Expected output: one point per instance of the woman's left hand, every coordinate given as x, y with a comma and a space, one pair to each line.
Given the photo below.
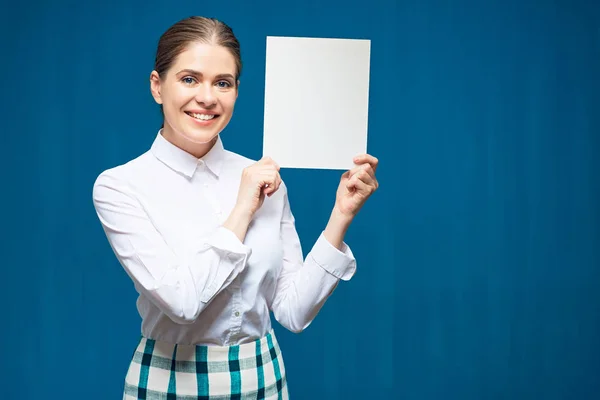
357, 185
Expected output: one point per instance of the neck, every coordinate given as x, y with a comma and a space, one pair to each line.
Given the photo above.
198, 150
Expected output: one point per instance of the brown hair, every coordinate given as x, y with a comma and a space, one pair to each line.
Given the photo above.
195, 29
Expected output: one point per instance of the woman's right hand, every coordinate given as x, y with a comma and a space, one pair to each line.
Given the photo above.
258, 180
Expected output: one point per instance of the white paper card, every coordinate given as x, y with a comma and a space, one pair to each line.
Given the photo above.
316, 101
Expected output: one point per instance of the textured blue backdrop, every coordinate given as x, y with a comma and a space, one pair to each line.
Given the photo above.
479, 257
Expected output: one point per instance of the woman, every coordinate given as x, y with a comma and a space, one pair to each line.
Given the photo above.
208, 238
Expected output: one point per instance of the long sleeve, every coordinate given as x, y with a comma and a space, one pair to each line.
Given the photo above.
179, 288
304, 285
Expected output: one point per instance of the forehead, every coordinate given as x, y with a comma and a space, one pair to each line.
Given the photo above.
207, 58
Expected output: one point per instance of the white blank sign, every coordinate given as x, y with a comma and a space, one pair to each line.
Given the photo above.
316, 101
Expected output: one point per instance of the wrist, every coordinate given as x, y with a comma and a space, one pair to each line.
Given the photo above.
341, 218
337, 227
238, 222
242, 214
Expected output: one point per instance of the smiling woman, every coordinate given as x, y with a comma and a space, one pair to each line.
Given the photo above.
208, 237
195, 81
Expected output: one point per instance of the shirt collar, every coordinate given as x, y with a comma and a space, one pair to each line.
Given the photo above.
182, 161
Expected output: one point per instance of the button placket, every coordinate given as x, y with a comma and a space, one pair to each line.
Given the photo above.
210, 196
236, 309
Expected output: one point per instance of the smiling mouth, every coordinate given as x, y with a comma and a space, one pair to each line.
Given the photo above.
202, 117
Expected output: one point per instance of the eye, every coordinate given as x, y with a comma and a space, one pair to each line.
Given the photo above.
188, 80
223, 84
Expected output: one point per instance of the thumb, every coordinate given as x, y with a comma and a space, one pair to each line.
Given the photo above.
351, 183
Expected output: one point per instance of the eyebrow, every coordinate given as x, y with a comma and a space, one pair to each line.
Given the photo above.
198, 73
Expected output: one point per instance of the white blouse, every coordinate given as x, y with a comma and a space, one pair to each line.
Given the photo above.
162, 213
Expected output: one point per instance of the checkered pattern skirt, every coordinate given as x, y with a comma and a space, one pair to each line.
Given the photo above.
169, 371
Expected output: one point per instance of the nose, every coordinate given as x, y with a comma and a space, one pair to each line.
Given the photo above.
206, 96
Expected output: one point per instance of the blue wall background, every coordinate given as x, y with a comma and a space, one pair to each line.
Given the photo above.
479, 257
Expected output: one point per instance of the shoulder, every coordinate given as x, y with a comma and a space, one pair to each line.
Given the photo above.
117, 179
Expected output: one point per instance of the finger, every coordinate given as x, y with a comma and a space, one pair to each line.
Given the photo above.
267, 169
366, 178
263, 178
363, 168
366, 158
352, 181
353, 171
276, 185
266, 160
267, 178
359, 186
270, 188
368, 168
363, 182
270, 182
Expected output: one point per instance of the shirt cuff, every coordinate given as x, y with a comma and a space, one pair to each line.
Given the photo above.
229, 244
229, 247
340, 264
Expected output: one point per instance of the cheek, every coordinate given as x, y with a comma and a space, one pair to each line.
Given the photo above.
228, 101
177, 97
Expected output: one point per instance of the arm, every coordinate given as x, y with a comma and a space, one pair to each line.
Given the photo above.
180, 289
303, 286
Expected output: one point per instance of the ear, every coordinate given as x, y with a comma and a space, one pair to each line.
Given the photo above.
237, 89
155, 86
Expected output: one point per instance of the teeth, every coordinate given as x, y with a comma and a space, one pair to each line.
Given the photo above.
203, 117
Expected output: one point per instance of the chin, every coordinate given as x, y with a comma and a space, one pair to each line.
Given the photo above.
200, 137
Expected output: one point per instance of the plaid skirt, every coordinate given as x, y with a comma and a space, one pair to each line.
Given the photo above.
168, 371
